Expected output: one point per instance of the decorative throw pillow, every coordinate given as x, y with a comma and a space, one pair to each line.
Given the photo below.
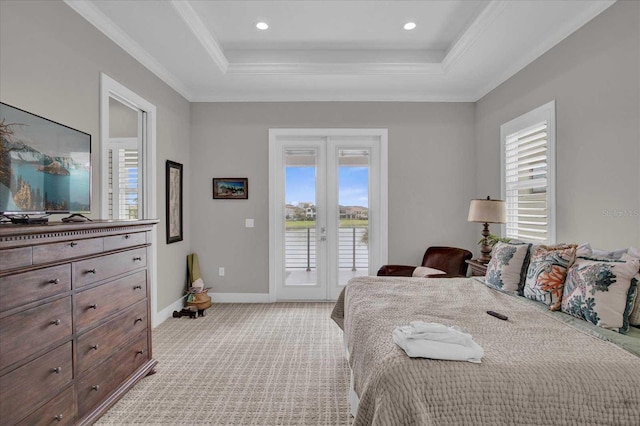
634, 317
507, 267
547, 273
423, 271
601, 291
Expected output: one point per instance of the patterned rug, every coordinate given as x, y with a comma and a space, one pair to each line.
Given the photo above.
243, 364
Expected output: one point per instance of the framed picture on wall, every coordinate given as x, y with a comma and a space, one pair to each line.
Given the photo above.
174, 202
231, 188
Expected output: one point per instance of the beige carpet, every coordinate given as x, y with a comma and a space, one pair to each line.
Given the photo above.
243, 364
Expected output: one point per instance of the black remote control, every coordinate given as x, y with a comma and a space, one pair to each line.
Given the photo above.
497, 315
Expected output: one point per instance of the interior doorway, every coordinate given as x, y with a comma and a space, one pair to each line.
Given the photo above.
128, 163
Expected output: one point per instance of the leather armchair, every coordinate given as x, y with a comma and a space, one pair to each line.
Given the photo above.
451, 260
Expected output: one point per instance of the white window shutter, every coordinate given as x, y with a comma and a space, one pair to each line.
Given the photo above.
528, 175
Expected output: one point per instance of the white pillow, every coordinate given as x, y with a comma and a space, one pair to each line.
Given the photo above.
423, 271
634, 252
584, 249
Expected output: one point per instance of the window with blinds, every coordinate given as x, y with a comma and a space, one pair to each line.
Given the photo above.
528, 175
124, 182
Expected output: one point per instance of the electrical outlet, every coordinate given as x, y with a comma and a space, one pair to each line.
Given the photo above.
248, 223
221, 271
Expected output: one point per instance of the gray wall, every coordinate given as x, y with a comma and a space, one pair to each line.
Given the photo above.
431, 173
594, 77
50, 64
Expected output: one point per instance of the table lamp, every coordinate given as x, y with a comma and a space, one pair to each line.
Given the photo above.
486, 212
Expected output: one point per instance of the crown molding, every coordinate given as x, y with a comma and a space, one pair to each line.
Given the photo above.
92, 14
335, 69
473, 32
202, 33
553, 39
330, 96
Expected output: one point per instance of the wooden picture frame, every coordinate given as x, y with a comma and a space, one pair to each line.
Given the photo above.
174, 201
231, 188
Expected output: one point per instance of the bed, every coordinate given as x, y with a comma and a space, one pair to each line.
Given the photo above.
539, 367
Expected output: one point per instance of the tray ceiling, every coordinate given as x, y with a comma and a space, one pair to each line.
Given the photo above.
336, 50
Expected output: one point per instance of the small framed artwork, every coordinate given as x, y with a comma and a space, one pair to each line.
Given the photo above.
174, 202
231, 188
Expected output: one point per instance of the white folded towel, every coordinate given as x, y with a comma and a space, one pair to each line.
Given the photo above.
437, 341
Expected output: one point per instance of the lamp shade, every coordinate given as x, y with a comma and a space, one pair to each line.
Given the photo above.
487, 211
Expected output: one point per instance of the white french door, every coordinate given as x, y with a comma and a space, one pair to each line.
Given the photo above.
328, 209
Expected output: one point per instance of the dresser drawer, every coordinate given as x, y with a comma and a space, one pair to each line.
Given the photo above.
34, 383
25, 333
61, 410
97, 269
126, 240
67, 250
99, 343
15, 258
98, 303
20, 289
104, 379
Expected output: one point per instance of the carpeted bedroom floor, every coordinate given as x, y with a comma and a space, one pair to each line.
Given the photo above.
243, 364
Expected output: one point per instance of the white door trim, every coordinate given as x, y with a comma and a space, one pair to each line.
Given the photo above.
380, 220
109, 88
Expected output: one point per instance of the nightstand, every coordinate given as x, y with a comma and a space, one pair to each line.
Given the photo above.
477, 269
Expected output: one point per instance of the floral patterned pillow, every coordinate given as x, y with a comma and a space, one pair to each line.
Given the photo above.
601, 291
634, 318
505, 270
547, 273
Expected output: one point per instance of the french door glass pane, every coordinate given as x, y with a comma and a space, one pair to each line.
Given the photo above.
300, 218
353, 210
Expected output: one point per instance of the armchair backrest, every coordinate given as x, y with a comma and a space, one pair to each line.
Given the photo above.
448, 259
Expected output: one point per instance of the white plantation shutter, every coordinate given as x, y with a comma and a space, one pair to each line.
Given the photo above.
125, 186
128, 183
528, 175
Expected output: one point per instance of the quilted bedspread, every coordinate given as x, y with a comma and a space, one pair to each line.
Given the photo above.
537, 369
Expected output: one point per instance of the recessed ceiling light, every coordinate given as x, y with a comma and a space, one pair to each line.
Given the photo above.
409, 25
262, 25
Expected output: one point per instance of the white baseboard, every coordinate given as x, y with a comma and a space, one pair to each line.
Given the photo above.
239, 297
167, 312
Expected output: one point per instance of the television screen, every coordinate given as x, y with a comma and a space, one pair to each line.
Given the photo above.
45, 167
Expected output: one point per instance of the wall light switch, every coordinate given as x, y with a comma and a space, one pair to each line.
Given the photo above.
248, 223
221, 271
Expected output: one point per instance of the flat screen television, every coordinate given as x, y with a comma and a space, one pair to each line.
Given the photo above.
45, 167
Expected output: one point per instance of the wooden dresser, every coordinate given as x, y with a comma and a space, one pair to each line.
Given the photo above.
75, 326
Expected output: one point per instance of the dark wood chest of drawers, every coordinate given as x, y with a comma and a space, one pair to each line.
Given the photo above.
75, 323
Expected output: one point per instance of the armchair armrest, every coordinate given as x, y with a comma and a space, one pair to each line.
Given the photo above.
396, 270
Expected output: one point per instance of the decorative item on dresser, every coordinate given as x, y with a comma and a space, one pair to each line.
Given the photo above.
75, 318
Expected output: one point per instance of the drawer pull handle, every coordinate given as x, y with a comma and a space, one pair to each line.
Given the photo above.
94, 347
56, 370
55, 322
94, 306
73, 244
126, 237
137, 320
137, 287
91, 271
54, 281
58, 418
139, 352
137, 259
95, 387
